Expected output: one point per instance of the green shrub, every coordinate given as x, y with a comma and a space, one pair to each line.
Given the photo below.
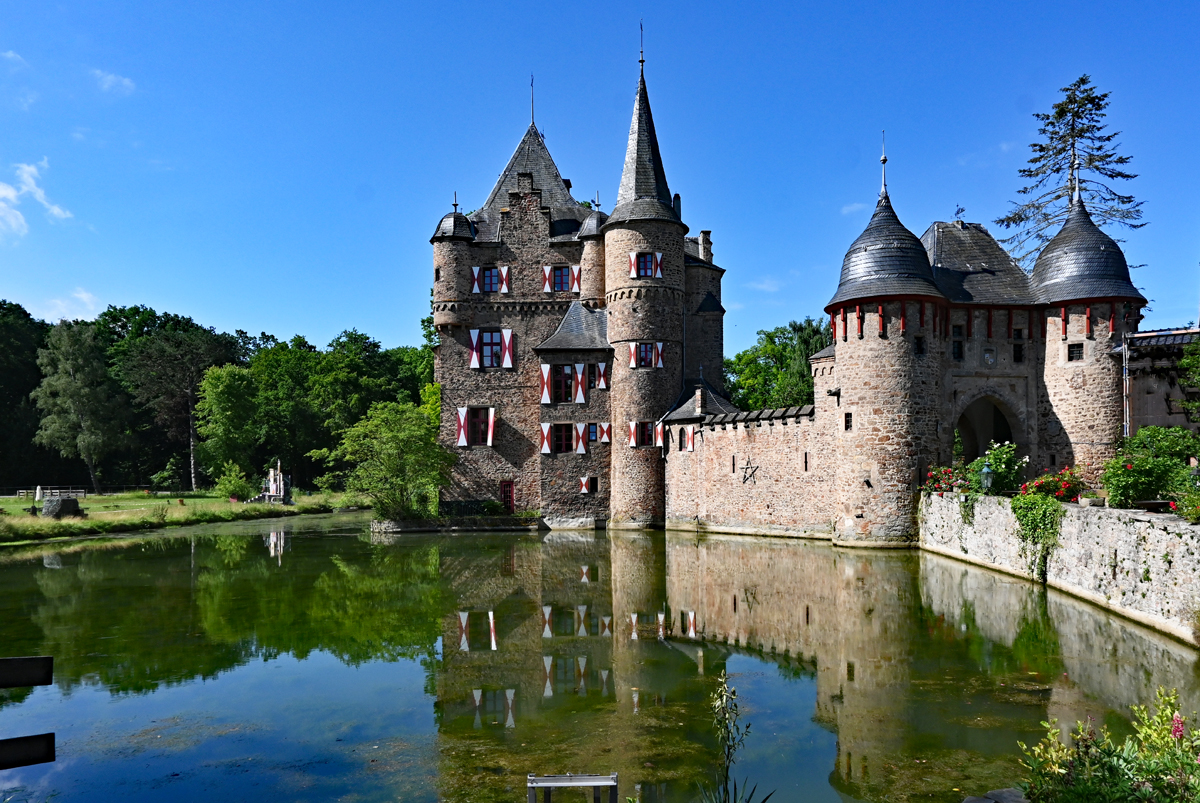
1040, 517
940, 479
1175, 442
1133, 478
1159, 762
1065, 486
1007, 468
233, 483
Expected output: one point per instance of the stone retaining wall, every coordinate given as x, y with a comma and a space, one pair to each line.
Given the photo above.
1145, 566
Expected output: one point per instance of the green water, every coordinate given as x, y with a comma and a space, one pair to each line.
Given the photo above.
300, 660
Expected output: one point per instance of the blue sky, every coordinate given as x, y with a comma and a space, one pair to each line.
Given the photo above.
281, 166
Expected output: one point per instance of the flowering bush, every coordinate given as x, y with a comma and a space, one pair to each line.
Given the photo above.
1007, 468
1159, 762
1065, 486
940, 479
1133, 478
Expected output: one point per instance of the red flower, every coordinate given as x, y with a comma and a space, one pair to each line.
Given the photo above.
1128, 466
1173, 507
1059, 493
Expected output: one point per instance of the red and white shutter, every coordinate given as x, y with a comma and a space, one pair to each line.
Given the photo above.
581, 433
545, 439
546, 633
633, 266
474, 280
633, 428
576, 278
491, 424
506, 348
605, 432
462, 426
548, 663
601, 376
658, 434
503, 279
544, 384
475, 361
633, 628
691, 622
605, 627
583, 489
633, 355
658, 266
580, 383
462, 631
546, 285
658, 354
691, 437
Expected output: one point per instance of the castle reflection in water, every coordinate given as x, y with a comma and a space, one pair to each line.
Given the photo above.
593, 653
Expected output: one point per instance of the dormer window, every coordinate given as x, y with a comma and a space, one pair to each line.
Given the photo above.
645, 266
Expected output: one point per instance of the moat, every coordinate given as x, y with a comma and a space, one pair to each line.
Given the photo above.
303, 660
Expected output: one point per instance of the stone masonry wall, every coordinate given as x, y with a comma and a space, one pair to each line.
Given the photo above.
1144, 566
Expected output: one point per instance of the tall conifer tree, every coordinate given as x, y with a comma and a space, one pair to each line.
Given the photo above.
1074, 143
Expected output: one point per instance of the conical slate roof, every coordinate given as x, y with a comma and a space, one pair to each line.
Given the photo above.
591, 227
886, 260
643, 194
454, 226
531, 156
1082, 262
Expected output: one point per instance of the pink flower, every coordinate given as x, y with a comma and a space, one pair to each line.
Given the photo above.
1177, 727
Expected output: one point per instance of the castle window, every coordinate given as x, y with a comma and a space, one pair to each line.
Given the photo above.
645, 355
591, 376
592, 430
562, 278
1074, 352
1018, 334
560, 438
957, 331
1018, 352
733, 464
477, 426
491, 350
956, 349
849, 421
593, 487
560, 383
645, 266
806, 461
489, 279
645, 433
682, 439
437, 274
918, 346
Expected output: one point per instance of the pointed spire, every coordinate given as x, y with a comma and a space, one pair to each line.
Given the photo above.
643, 192
532, 119
883, 162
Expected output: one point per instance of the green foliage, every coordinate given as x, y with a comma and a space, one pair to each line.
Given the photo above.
227, 417
1065, 486
170, 478
83, 412
731, 735
396, 460
233, 483
775, 371
966, 507
1159, 762
1179, 443
1073, 140
940, 479
1039, 517
1007, 468
1153, 464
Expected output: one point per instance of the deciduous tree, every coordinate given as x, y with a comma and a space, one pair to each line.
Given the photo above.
775, 371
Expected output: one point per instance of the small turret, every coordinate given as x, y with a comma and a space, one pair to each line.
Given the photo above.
1082, 262
451, 241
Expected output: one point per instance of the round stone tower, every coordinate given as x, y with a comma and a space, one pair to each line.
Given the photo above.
452, 269
889, 362
1082, 279
591, 263
643, 285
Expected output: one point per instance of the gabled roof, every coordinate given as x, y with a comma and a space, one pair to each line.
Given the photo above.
710, 304
826, 353
684, 408
643, 194
970, 267
886, 260
581, 329
531, 156
1082, 262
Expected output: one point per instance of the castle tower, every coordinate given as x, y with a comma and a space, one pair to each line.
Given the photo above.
643, 285
451, 269
592, 261
1082, 279
889, 359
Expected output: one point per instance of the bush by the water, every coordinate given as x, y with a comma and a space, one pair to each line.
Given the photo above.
1159, 762
1153, 464
233, 483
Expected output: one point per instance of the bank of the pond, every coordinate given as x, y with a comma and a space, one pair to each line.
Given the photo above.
16, 529
1144, 566
457, 524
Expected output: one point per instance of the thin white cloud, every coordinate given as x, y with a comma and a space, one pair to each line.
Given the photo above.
27, 180
25, 99
767, 285
852, 208
12, 222
113, 83
81, 305
13, 60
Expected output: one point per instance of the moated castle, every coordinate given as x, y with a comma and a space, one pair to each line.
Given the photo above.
581, 361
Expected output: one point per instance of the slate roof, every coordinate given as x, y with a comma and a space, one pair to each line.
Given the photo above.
581, 329
531, 156
1082, 262
643, 194
825, 353
454, 226
1162, 338
591, 226
886, 260
710, 304
970, 267
684, 408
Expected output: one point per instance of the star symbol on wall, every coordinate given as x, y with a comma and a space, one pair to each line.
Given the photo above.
748, 472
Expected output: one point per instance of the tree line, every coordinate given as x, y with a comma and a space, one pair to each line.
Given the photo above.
139, 397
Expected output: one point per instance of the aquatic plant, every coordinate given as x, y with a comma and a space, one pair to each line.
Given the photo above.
731, 734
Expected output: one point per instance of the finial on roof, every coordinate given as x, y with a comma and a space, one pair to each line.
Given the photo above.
1075, 195
958, 212
883, 162
456, 200
531, 117
597, 200
642, 44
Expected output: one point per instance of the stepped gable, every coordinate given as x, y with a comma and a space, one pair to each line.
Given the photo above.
1082, 262
531, 156
643, 194
886, 260
970, 267
580, 329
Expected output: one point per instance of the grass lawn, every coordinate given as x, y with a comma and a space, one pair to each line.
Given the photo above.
139, 511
